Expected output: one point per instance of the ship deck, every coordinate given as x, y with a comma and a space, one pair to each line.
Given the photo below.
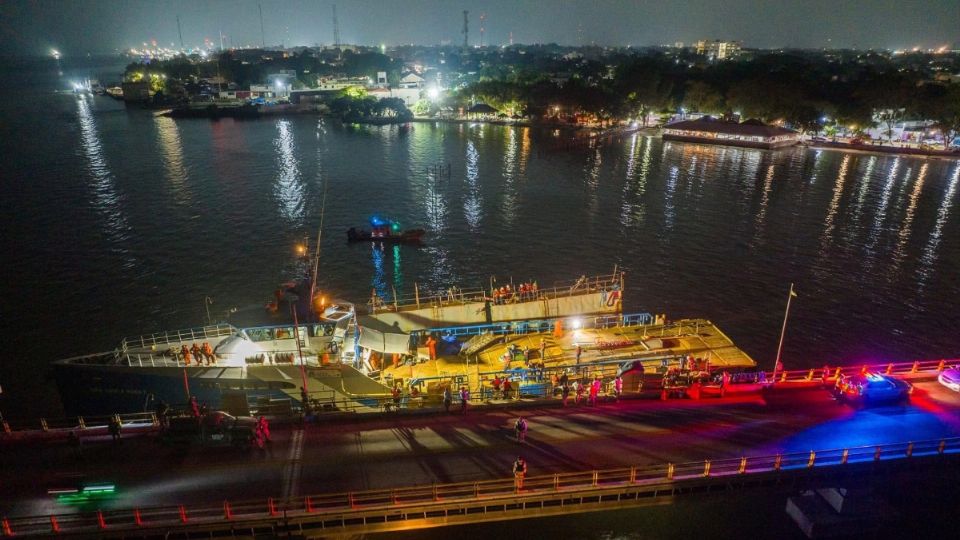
601, 348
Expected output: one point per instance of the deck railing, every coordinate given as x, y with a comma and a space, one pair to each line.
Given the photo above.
456, 296
179, 336
540, 326
338, 511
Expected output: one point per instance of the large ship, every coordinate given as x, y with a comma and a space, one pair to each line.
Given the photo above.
275, 367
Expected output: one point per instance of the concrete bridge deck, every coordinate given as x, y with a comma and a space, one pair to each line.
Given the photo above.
397, 451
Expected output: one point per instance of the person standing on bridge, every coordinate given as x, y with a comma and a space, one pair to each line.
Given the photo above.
520, 426
617, 387
595, 391
464, 399
447, 398
579, 352
263, 429
194, 407
519, 471
114, 428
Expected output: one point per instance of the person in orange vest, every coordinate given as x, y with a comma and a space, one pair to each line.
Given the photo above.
187, 356
184, 351
432, 347
396, 360
195, 351
208, 353
558, 329
519, 471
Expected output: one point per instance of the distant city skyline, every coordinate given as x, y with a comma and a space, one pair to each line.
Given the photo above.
90, 26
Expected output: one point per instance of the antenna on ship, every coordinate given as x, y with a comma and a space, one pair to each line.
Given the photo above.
316, 250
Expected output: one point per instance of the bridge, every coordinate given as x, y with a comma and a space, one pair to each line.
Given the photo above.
425, 468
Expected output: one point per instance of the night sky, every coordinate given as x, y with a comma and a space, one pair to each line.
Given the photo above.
100, 26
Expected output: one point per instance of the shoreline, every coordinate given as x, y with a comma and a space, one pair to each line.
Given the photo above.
281, 110
885, 150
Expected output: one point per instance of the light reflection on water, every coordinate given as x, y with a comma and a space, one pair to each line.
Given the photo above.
472, 205
171, 151
943, 212
106, 199
289, 187
703, 231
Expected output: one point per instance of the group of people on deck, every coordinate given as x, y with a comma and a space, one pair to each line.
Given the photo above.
201, 354
578, 387
508, 293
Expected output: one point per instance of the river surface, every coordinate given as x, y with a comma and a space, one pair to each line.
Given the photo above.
118, 222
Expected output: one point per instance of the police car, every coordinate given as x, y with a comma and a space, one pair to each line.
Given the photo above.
870, 388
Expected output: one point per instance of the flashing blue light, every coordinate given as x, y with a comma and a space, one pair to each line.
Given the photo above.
375, 221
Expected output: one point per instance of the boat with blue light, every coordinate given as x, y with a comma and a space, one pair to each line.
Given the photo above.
385, 230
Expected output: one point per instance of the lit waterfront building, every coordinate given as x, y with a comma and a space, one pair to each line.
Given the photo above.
750, 133
719, 50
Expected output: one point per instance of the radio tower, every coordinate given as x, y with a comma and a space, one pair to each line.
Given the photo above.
336, 31
263, 37
483, 18
179, 31
466, 29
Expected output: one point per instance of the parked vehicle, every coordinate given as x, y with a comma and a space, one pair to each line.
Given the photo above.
214, 429
870, 388
951, 378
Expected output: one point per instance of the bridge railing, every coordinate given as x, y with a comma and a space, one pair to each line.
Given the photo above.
829, 373
342, 507
77, 423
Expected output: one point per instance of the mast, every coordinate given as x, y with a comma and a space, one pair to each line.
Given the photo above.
316, 250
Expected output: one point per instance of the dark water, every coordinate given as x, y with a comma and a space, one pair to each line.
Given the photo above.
118, 222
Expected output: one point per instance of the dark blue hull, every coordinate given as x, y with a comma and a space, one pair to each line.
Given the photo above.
98, 390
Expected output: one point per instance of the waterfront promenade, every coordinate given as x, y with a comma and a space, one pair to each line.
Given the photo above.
398, 450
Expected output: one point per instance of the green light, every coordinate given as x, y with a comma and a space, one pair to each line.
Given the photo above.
395, 227
86, 494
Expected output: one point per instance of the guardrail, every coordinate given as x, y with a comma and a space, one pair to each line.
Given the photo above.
74, 423
828, 373
356, 509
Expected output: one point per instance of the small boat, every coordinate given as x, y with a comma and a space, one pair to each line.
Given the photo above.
384, 230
